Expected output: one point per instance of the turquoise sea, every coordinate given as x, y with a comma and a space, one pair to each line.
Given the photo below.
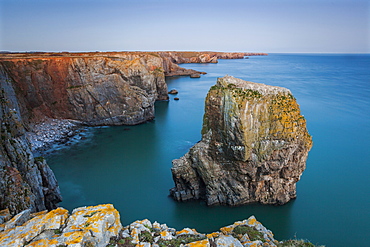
129, 166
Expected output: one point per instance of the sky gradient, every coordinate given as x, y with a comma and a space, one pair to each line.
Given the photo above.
326, 26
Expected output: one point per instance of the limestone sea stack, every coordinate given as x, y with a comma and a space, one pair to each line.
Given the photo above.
254, 147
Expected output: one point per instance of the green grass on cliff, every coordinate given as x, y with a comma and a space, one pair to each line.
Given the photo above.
253, 234
297, 243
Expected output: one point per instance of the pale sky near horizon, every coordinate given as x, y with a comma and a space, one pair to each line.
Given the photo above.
325, 26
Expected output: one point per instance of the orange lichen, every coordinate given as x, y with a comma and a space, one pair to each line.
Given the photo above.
43, 243
252, 221
227, 229
213, 235
200, 243
183, 231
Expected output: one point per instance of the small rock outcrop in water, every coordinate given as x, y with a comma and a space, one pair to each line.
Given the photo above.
173, 91
100, 226
254, 147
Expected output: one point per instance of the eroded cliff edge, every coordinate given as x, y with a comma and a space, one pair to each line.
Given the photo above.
254, 147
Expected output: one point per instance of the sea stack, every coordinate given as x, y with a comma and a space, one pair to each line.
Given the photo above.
254, 147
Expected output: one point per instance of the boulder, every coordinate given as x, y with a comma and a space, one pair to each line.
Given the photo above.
87, 226
254, 147
173, 91
195, 75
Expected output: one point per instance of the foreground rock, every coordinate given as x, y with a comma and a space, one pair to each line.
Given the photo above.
254, 147
87, 226
100, 226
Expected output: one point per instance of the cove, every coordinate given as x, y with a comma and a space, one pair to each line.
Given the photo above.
129, 166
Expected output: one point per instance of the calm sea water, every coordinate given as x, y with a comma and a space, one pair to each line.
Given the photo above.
130, 166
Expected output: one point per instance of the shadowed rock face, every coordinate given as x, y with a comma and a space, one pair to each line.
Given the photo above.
26, 182
254, 147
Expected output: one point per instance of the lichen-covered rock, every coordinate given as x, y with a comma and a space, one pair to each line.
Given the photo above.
225, 241
20, 235
248, 232
87, 226
94, 225
100, 226
254, 147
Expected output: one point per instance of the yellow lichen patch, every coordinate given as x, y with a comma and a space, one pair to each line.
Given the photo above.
200, 243
252, 221
142, 221
73, 237
213, 235
254, 245
227, 230
184, 231
38, 213
35, 226
43, 242
135, 235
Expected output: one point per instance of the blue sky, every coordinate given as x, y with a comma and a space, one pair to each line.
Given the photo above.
229, 25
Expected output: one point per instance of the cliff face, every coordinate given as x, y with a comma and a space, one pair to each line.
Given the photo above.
96, 90
26, 182
254, 147
172, 58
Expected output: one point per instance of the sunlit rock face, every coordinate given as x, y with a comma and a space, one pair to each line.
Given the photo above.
86, 226
96, 89
254, 147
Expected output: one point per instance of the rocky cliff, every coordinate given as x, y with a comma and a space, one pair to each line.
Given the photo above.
42, 92
95, 89
254, 147
172, 58
100, 226
26, 182
101, 88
